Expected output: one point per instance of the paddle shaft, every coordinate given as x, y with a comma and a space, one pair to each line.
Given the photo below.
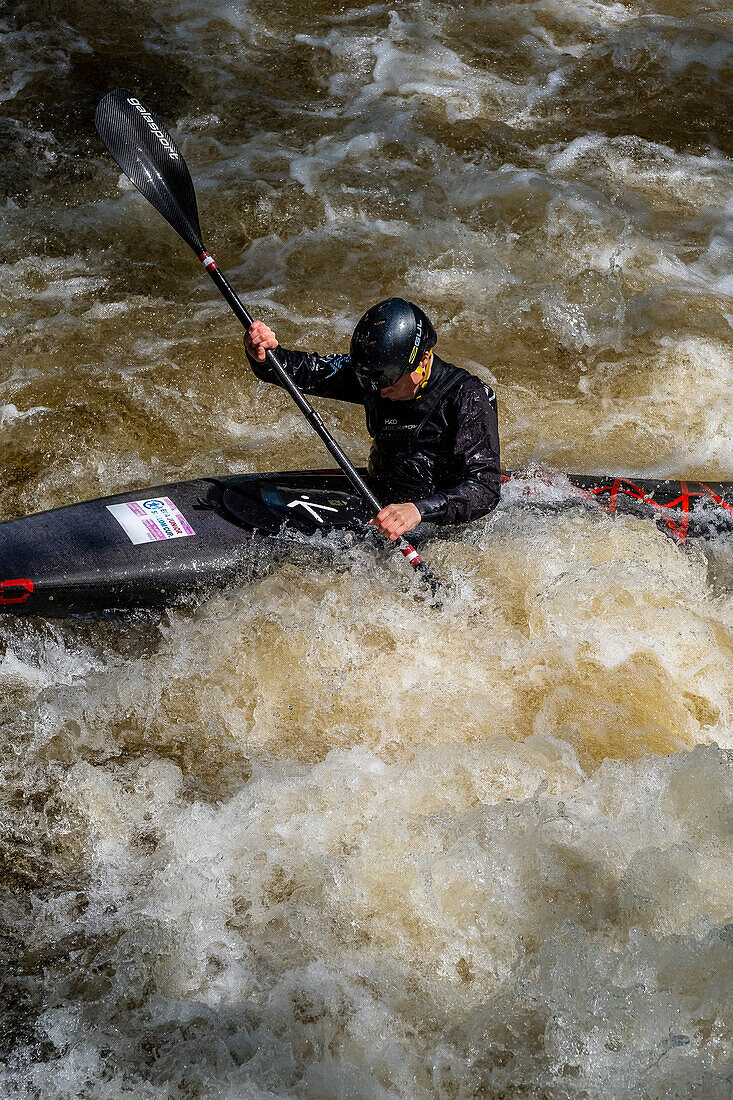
315, 421
147, 154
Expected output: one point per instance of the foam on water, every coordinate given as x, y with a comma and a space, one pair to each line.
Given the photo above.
317, 838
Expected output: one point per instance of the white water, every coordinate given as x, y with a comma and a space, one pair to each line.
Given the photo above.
316, 839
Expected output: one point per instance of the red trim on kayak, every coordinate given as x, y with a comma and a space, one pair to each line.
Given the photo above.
679, 504
689, 491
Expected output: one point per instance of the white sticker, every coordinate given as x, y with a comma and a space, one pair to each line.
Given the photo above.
151, 520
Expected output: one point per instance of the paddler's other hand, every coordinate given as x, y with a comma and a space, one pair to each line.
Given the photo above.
258, 339
396, 519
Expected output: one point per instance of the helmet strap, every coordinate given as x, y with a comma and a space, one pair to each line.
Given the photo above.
424, 372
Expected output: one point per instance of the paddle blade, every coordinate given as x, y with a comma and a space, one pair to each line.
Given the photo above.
150, 159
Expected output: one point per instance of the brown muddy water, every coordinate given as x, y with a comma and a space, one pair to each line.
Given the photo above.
314, 839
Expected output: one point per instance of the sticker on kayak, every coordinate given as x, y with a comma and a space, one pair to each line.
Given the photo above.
151, 520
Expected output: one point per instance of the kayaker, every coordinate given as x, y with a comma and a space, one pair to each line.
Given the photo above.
435, 450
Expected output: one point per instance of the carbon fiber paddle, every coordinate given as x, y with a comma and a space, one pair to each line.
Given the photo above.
151, 160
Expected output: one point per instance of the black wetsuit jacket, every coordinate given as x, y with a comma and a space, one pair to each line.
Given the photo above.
440, 451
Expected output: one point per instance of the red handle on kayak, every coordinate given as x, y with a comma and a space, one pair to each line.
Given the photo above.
26, 585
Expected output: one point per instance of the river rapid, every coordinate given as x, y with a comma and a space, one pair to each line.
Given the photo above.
316, 838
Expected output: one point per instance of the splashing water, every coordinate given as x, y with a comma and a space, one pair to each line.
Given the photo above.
314, 838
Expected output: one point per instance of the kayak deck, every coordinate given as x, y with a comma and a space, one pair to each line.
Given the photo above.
178, 542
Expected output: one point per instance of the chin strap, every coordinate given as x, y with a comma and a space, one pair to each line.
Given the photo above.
424, 372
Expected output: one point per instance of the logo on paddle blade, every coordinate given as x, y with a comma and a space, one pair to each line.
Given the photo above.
162, 137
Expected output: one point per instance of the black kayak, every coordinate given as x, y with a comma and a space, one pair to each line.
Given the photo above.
152, 547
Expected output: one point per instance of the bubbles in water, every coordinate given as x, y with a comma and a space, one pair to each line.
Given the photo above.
315, 838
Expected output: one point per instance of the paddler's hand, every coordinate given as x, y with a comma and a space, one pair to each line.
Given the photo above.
258, 339
396, 519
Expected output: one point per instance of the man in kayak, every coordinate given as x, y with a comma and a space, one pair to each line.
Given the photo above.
434, 426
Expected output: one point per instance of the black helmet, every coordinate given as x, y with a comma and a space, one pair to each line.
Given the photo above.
390, 340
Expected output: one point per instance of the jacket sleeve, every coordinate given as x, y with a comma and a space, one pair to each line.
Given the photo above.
318, 375
476, 453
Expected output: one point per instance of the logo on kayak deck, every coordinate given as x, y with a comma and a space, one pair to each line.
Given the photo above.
16, 591
310, 508
162, 137
151, 520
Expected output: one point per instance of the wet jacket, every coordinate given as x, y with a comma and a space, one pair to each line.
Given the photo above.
439, 451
